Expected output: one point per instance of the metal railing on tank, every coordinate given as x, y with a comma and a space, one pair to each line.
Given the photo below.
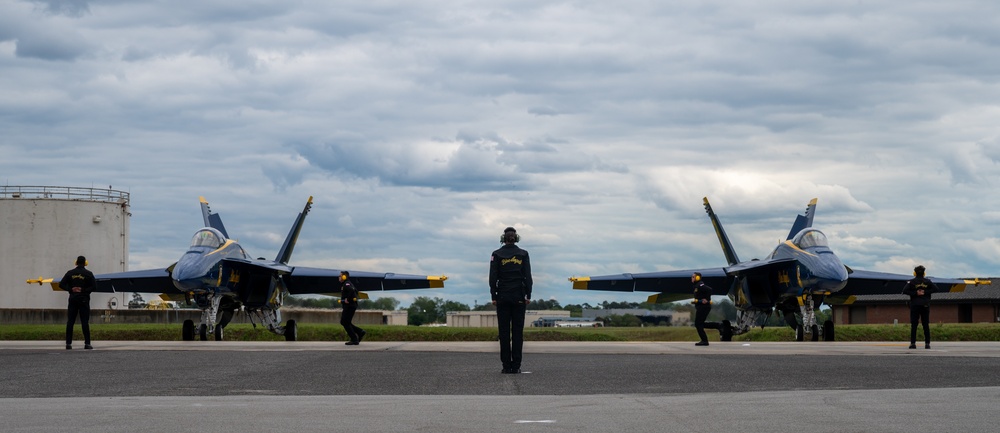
64, 193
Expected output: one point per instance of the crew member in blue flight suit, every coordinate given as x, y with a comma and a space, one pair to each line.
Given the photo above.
702, 306
79, 282
510, 289
349, 302
919, 289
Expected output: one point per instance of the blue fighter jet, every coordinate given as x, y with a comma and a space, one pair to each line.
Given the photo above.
221, 278
795, 279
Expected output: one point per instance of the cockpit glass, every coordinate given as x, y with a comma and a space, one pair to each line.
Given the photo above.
207, 238
810, 238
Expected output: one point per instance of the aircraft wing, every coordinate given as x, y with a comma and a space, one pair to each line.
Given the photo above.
305, 280
671, 285
145, 281
860, 282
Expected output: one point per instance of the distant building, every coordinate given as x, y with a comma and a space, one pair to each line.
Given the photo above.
398, 317
651, 317
977, 304
488, 319
565, 322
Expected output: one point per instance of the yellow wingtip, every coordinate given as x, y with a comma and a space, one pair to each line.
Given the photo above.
39, 281
437, 281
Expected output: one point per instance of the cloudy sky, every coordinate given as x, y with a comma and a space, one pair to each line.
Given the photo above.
423, 129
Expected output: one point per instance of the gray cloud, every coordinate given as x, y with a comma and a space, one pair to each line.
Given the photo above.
50, 47
595, 128
471, 162
70, 8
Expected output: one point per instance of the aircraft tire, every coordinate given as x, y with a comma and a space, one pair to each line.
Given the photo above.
203, 332
828, 330
218, 333
815, 333
726, 331
799, 333
291, 331
187, 331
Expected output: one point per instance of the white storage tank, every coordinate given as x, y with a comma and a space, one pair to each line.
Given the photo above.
42, 231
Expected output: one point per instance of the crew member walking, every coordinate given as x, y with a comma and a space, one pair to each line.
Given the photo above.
919, 289
349, 302
510, 289
79, 282
702, 306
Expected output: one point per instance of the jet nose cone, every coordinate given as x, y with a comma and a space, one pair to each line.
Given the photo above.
834, 274
188, 272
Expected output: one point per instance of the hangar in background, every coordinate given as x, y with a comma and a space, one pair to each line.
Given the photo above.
977, 304
44, 228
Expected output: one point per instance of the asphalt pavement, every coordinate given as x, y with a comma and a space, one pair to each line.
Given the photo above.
393, 386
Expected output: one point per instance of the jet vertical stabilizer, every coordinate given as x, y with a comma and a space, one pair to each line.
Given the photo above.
803, 221
212, 220
727, 247
293, 235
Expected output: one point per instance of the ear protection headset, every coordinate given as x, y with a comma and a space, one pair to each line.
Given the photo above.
697, 277
918, 271
510, 234
515, 236
82, 261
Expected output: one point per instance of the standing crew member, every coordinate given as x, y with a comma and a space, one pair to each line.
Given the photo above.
79, 282
510, 288
919, 290
349, 301
702, 306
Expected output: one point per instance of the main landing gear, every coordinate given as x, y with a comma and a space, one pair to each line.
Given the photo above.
808, 325
290, 331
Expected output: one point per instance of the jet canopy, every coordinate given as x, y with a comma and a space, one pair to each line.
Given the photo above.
810, 238
208, 237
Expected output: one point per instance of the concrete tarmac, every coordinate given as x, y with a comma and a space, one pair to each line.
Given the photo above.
451, 387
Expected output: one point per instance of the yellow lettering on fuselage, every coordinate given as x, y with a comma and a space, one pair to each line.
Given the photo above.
783, 278
514, 260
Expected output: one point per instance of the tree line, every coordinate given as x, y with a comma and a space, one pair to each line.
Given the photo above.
425, 310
